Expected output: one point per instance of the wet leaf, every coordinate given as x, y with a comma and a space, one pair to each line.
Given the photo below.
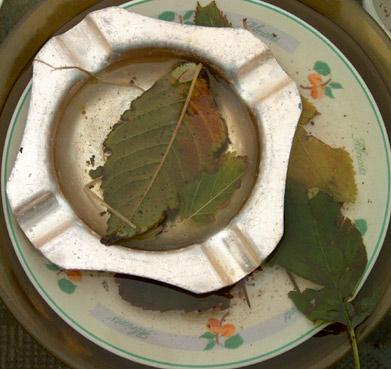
316, 164
206, 195
210, 16
157, 296
234, 342
151, 158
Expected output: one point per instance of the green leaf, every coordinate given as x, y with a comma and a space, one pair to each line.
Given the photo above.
319, 243
208, 336
322, 68
151, 295
329, 92
53, 267
66, 285
234, 342
211, 344
151, 158
188, 15
210, 16
167, 16
335, 85
205, 196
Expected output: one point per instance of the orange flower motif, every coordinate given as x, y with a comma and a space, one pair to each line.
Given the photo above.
74, 275
215, 326
317, 86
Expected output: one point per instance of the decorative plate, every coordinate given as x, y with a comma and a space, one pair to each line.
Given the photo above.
90, 303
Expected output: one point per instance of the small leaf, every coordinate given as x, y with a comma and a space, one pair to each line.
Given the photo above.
208, 336
322, 68
53, 267
211, 344
188, 15
66, 285
205, 196
167, 16
329, 92
210, 16
316, 164
234, 342
335, 85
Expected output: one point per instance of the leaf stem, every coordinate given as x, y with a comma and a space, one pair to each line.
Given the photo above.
293, 280
353, 341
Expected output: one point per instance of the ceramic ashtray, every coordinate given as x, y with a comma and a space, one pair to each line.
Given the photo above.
182, 185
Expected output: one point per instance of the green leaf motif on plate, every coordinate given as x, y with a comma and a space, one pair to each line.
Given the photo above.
335, 85
168, 16
66, 286
234, 342
329, 92
53, 267
322, 68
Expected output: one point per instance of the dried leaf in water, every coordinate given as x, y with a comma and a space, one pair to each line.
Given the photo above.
210, 16
143, 173
203, 197
316, 164
157, 296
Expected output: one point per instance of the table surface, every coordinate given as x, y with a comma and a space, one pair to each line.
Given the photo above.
18, 350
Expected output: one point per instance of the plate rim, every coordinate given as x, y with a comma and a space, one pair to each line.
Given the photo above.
252, 1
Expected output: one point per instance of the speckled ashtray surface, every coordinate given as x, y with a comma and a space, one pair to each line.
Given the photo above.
349, 118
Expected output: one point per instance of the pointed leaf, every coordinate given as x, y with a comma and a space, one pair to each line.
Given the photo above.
234, 342
322, 68
151, 158
204, 197
309, 111
317, 164
210, 16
